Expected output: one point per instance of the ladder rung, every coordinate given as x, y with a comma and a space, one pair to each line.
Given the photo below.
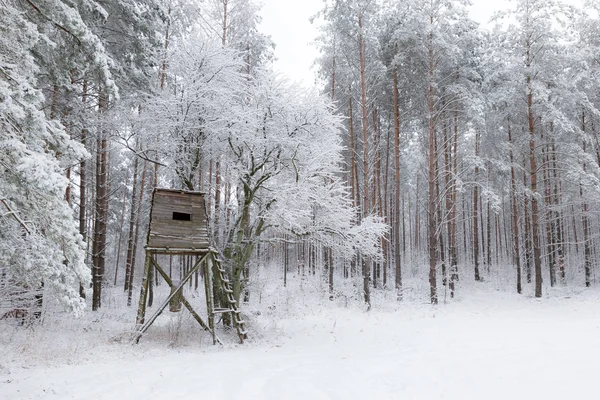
232, 301
240, 322
222, 310
228, 290
244, 333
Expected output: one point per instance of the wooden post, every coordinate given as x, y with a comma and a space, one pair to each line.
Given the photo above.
208, 287
187, 305
175, 303
144, 291
141, 329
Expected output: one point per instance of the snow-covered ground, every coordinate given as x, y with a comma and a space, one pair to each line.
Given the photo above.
488, 345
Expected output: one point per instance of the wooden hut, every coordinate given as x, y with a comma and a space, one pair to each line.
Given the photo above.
178, 220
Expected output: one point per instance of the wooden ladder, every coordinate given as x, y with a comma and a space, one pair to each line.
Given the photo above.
236, 316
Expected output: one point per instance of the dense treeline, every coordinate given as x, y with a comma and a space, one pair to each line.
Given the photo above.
450, 153
479, 147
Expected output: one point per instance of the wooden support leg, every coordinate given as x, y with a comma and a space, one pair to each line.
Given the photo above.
143, 328
208, 287
144, 291
167, 279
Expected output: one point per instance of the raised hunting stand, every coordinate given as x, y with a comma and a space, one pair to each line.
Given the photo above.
179, 226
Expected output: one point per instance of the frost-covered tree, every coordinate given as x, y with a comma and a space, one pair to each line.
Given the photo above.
536, 87
39, 241
289, 160
353, 71
416, 62
199, 104
281, 146
235, 24
132, 35
439, 41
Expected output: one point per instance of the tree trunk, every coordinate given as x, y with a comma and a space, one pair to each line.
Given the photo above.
286, 258
476, 214
387, 205
101, 215
558, 217
535, 225
448, 198
515, 213
131, 235
366, 208
121, 223
137, 232
328, 254
333, 73
548, 214
489, 234
453, 222
83, 187
587, 251
68, 188
417, 236
353, 177
431, 179
397, 212
380, 205
439, 219
163, 68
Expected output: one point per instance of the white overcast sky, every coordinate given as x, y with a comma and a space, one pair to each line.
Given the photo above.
287, 21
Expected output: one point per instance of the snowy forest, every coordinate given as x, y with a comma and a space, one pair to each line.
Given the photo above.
436, 162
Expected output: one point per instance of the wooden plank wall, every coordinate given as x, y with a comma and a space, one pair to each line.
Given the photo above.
166, 232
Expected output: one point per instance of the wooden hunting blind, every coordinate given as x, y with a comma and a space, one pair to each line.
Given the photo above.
179, 226
178, 220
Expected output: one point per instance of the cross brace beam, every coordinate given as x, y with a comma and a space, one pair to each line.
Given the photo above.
142, 326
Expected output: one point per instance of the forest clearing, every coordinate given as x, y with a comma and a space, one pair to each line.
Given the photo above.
490, 345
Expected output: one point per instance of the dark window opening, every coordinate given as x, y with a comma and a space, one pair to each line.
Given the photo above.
177, 216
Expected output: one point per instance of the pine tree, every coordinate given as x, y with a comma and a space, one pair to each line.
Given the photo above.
39, 242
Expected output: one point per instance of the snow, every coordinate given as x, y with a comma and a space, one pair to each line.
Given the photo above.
489, 345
